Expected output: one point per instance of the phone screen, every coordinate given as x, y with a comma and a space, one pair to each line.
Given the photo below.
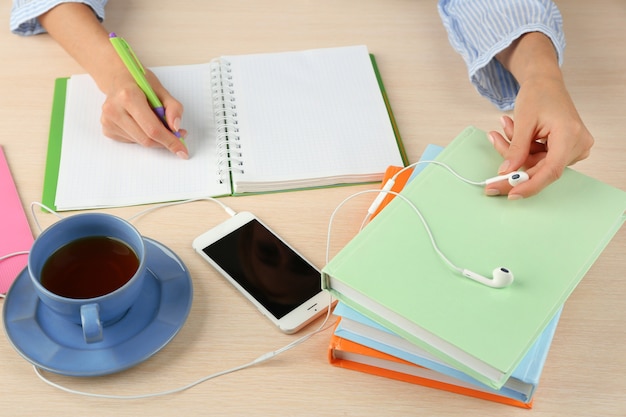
266, 267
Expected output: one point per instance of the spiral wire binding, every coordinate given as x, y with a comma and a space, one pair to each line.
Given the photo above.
229, 154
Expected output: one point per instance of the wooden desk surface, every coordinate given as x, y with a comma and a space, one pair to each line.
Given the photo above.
433, 101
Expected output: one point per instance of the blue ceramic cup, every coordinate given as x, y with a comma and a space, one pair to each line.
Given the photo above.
102, 310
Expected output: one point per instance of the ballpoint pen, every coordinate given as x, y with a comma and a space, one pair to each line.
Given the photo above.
138, 72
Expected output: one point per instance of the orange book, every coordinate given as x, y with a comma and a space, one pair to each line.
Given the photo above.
397, 187
346, 354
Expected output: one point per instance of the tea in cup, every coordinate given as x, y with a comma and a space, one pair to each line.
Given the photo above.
88, 268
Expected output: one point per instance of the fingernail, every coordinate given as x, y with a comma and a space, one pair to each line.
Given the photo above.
492, 192
491, 138
182, 155
176, 124
515, 197
503, 121
504, 167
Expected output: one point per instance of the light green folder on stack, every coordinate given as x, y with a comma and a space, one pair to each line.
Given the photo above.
390, 273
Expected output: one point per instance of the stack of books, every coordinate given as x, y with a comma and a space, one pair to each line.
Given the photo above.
361, 344
406, 314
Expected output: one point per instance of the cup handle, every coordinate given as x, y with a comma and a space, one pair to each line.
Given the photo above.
90, 319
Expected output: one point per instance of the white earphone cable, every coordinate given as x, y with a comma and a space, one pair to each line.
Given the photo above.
269, 355
386, 189
10, 255
441, 164
411, 205
263, 358
44, 207
227, 209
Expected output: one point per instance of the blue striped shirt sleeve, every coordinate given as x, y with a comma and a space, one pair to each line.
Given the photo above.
24, 13
480, 29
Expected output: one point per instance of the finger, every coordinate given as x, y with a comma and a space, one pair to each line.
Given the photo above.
498, 188
175, 144
117, 118
118, 136
503, 187
153, 131
173, 114
502, 146
498, 141
519, 148
538, 147
127, 130
173, 111
146, 127
507, 126
534, 185
545, 172
126, 136
118, 125
173, 108
537, 150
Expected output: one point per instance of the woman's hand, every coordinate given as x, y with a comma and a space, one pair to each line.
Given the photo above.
548, 133
126, 113
127, 116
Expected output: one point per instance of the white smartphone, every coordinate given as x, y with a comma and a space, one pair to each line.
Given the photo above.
279, 281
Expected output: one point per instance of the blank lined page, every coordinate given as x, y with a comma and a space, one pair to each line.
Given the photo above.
96, 171
310, 118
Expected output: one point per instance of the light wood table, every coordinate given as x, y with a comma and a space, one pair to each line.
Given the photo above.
585, 374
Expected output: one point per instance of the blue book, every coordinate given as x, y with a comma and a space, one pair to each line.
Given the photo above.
430, 153
520, 386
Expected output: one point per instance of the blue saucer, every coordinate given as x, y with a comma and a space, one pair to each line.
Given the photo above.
56, 345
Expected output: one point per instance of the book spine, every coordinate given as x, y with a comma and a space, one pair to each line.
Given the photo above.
229, 152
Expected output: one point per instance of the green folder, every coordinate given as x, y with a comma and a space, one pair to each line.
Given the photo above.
390, 272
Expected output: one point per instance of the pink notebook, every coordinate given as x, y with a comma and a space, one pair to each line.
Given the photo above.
15, 233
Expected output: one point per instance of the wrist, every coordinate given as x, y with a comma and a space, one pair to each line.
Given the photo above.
112, 73
531, 56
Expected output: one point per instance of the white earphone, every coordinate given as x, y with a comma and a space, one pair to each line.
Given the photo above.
514, 178
501, 277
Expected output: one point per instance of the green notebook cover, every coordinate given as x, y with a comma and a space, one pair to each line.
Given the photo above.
390, 272
55, 140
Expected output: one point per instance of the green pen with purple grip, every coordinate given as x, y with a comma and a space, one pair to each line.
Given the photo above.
138, 72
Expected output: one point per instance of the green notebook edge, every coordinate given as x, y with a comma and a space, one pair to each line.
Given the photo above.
392, 119
55, 142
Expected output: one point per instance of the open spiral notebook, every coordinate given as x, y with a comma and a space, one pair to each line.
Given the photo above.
256, 123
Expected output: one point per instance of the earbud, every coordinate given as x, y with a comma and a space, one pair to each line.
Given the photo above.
502, 277
514, 178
